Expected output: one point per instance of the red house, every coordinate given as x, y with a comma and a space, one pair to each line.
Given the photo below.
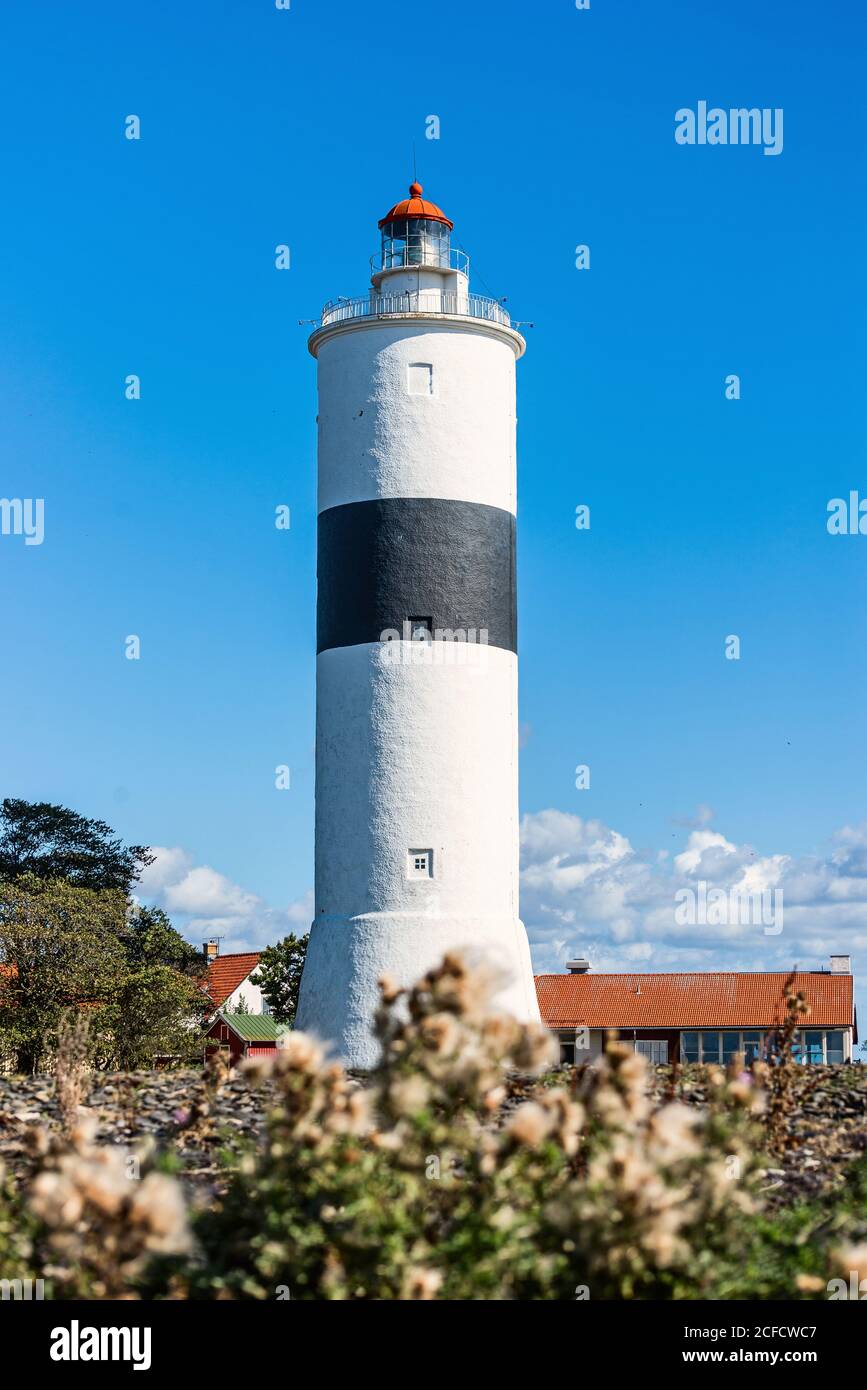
243, 1035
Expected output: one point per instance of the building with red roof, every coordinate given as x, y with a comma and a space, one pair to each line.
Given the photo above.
227, 980
699, 1016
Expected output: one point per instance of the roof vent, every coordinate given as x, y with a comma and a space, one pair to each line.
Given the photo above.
840, 965
577, 967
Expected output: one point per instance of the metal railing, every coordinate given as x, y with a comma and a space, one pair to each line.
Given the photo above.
427, 301
419, 252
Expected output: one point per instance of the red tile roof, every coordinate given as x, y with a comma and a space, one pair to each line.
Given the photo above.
415, 206
225, 973
705, 1000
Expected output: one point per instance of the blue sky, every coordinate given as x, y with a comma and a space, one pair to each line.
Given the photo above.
708, 516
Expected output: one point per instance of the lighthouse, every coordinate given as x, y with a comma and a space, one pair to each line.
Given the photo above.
417, 670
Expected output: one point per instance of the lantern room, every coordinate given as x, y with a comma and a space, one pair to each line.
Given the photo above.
416, 253
415, 232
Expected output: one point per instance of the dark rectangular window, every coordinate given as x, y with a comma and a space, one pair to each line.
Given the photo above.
710, 1047
813, 1049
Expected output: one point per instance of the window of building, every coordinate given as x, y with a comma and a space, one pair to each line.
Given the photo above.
752, 1047
834, 1045
567, 1054
810, 1046
813, 1046
710, 1047
419, 379
654, 1049
420, 863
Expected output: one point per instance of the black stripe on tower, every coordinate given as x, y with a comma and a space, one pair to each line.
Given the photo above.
384, 562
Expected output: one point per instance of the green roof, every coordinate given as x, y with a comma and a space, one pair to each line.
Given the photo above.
254, 1027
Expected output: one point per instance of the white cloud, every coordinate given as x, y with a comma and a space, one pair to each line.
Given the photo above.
202, 892
169, 866
203, 903
700, 841
585, 891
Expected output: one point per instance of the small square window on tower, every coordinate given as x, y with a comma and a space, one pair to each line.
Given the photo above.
419, 379
420, 863
418, 629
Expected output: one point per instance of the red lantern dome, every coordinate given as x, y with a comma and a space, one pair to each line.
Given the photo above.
415, 206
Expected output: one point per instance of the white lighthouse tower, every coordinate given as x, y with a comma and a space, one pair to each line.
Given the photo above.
417, 674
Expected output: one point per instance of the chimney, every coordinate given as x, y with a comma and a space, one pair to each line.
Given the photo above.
840, 965
211, 949
577, 967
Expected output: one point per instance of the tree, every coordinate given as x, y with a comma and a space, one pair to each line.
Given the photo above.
151, 940
154, 1012
278, 974
52, 842
158, 1001
63, 946
59, 945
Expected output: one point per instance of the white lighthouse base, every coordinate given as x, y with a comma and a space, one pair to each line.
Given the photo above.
346, 958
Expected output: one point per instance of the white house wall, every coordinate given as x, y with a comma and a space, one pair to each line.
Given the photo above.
250, 993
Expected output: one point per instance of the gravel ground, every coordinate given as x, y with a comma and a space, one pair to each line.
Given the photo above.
827, 1126
170, 1108
826, 1133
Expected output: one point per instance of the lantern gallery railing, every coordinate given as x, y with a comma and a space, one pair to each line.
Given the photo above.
427, 301
415, 251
